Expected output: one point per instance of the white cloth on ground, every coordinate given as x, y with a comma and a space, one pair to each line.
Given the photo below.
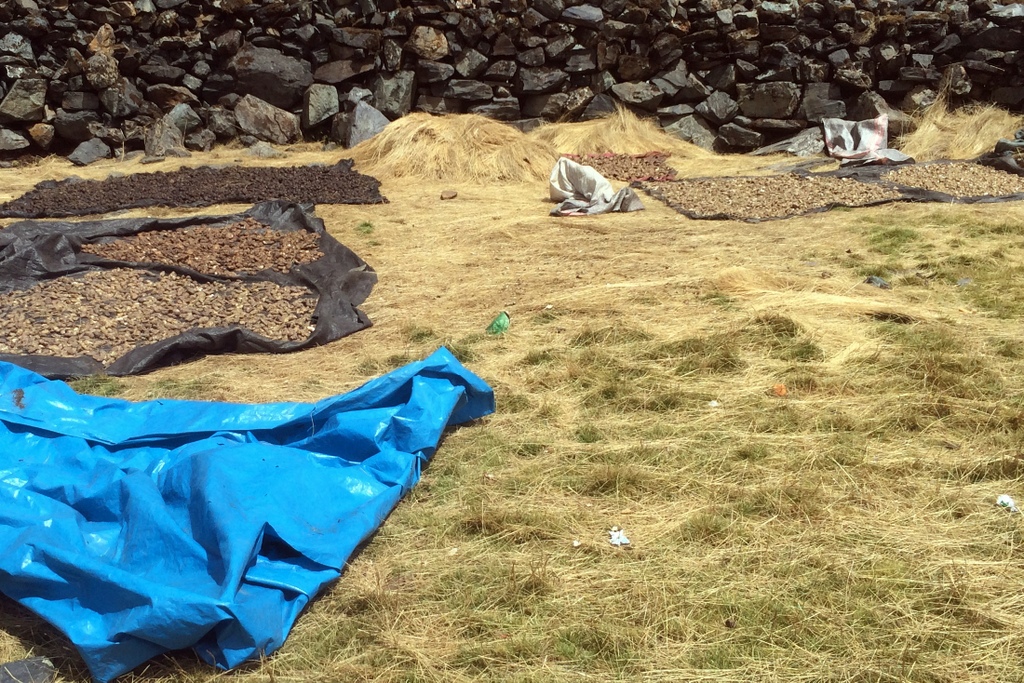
860, 143
581, 190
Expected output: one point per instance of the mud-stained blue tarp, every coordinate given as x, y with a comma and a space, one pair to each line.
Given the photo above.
137, 528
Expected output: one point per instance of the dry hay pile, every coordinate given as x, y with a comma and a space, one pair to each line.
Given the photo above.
619, 133
961, 134
625, 133
456, 148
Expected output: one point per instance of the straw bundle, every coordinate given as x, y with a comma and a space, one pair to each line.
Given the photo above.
961, 134
620, 133
456, 148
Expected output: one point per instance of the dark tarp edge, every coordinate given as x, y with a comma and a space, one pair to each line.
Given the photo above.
34, 251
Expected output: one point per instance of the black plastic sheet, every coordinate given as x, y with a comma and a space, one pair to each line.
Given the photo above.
35, 251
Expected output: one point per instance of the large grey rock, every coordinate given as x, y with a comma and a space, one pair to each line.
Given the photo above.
502, 109
460, 89
471, 64
955, 78
806, 143
101, 71
602, 105
122, 99
357, 94
429, 43
74, 125
738, 138
264, 150
201, 140
854, 76
870, 105
768, 100
433, 72
167, 97
184, 118
778, 11
439, 105
539, 80
319, 104
583, 15
267, 122
502, 70
161, 73
221, 122
821, 101
17, 46
270, 75
578, 101
919, 97
693, 129
11, 141
532, 57
643, 95
76, 100
89, 152
551, 9
164, 139
42, 134
341, 70
393, 93
691, 89
718, 109
358, 125
549, 106
1008, 96
25, 101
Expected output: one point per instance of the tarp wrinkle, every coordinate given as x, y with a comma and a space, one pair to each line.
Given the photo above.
138, 528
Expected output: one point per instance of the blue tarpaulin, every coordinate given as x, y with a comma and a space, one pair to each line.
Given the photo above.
138, 528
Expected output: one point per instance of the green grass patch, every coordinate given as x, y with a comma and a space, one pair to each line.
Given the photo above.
99, 385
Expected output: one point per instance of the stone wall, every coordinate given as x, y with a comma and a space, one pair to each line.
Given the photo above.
174, 74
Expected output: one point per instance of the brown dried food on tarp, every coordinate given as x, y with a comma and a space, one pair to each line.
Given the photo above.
205, 186
104, 314
628, 167
244, 247
958, 179
68, 312
759, 198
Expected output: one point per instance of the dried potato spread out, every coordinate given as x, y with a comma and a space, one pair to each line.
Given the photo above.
763, 197
958, 179
105, 314
244, 247
627, 167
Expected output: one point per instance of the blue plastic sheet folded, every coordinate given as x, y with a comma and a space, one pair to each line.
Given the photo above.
139, 528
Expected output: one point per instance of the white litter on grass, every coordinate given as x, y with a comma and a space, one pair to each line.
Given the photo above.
618, 536
576, 543
713, 404
452, 552
1004, 501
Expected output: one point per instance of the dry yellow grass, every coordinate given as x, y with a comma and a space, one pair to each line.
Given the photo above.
625, 133
966, 133
846, 532
622, 133
464, 148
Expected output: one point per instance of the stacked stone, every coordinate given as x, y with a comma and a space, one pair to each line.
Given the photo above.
178, 75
